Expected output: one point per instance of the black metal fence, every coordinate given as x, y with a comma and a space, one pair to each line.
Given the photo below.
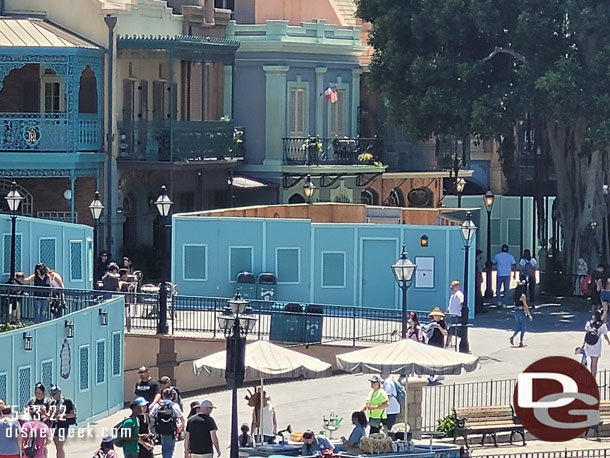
335, 151
438, 401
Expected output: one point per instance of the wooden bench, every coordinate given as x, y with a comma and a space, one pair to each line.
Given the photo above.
487, 421
604, 419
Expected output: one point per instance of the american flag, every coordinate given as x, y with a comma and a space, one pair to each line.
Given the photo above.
331, 94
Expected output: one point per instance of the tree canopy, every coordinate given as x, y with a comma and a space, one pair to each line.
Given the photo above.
479, 68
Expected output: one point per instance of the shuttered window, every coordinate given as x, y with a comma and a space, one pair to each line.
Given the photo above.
337, 115
297, 112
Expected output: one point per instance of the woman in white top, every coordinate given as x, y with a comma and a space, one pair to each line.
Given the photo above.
268, 427
592, 345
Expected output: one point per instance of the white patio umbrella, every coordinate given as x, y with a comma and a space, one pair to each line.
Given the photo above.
265, 360
407, 357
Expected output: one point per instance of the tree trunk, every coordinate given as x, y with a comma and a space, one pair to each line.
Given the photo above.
582, 209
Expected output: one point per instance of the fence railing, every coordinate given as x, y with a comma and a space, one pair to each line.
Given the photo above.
332, 151
438, 401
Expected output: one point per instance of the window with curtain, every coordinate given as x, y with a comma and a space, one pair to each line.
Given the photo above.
297, 112
337, 115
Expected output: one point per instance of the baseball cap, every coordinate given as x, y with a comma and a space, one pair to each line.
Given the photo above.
376, 378
140, 400
207, 404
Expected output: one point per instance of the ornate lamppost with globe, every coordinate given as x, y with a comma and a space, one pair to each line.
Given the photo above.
468, 230
164, 206
403, 270
13, 200
489, 203
96, 207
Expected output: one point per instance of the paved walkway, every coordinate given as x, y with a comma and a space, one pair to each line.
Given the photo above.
556, 330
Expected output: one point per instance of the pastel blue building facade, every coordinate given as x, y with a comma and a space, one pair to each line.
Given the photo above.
280, 77
88, 366
64, 247
342, 264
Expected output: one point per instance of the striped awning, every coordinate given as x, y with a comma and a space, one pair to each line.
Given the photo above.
265, 360
36, 33
407, 357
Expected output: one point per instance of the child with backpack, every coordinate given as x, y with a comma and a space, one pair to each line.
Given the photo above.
527, 266
594, 330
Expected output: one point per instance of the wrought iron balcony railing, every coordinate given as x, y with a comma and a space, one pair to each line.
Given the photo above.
178, 140
332, 151
49, 132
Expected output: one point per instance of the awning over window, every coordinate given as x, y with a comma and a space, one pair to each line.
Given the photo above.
36, 33
247, 183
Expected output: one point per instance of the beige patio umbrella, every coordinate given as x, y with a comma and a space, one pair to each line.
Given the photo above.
407, 357
265, 360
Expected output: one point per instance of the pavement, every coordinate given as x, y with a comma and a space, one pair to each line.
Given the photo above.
556, 330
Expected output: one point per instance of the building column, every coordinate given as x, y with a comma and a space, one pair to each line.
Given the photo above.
320, 72
275, 116
228, 93
72, 196
414, 406
355, 100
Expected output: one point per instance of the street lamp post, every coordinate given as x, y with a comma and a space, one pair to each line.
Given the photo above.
489, 203
236, 321
164, 205
96, 207
13, 199
403, 272
309, 189
459, 187
468, 230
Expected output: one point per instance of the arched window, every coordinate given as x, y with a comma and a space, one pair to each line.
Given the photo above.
369, 197
395, 198
27, 204
296, 199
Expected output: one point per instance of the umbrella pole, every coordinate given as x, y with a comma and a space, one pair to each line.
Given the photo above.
260, 413
406, 404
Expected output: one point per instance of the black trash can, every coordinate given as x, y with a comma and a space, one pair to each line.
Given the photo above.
267, 282
288, 325
246, 283
314, 320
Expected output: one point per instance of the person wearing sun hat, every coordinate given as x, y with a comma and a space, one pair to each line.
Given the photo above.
106, 448
377, 401
437, 331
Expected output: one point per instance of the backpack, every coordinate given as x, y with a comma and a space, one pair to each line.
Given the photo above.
401, 393
165, 420
30, 448
586, 286
529, 269
592, 335
119, 440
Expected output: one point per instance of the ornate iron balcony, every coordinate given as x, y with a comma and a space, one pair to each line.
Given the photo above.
332, 151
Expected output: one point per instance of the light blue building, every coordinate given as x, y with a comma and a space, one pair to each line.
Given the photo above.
64, 247
281, 74
323, 263
88, 366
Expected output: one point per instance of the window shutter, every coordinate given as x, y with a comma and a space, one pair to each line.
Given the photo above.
143, 109
292, 111
300, 116
158, 98
127, 100
297, 112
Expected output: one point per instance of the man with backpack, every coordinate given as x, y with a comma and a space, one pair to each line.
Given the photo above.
527, 266
129, 432
166, 416
396, 398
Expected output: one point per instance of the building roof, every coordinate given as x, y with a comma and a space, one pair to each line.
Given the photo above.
347, 8
36, 33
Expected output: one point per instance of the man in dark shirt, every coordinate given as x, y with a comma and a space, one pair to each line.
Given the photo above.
147, 388
201, 439
101, 265
597, 274
110, 281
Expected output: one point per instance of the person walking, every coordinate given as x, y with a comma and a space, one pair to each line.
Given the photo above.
453, 314
527, 268
39, 405
130, 431
522, 312
63, 415
376, 403
110, 280
166, 416
436, 331
505, 265
592, 345
42, 281
478, 288
145, 435
147, 388
101, 266
36, 437
389, 385
594, 283
414, 331
201, 439
166, 382
10, 434
603, 286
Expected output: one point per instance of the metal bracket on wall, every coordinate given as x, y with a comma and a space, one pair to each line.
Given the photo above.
289, 181
326, 181
364, 180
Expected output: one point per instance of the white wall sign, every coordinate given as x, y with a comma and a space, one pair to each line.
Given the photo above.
424, 275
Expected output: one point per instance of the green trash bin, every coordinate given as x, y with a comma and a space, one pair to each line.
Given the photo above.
288, 325
314, 320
